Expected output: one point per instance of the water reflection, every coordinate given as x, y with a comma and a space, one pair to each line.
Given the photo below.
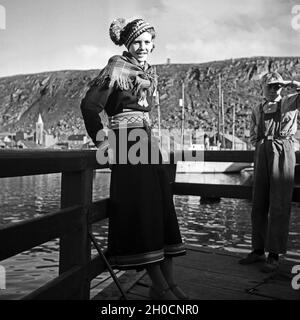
224, 225
27, 197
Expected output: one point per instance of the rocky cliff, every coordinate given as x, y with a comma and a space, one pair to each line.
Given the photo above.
57, 95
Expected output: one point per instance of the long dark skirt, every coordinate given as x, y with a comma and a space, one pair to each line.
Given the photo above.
143, 227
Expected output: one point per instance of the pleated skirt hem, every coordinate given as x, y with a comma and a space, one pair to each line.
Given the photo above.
141, 260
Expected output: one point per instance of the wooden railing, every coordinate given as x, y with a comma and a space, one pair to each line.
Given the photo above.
72, 223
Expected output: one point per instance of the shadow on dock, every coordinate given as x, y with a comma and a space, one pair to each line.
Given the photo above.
207, 274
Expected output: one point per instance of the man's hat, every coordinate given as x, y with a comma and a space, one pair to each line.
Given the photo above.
272, 78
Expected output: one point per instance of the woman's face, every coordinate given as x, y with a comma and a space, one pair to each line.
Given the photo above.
141, 47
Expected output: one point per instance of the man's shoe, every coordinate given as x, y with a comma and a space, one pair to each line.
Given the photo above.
253, 257
271, 265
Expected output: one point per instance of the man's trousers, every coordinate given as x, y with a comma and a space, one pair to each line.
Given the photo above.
272, 194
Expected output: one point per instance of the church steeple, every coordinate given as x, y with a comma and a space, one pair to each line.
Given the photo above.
40, 120
39, 131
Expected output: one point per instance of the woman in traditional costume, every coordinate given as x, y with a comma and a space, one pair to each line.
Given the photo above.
143, 227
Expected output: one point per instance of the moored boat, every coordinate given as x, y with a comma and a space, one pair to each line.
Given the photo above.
210, 167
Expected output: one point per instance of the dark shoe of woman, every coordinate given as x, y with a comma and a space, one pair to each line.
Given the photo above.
181, 295
165, 294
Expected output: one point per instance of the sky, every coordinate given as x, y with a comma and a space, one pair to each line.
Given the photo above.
44, 35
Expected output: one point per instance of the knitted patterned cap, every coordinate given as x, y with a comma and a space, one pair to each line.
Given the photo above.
272, 78
122, 32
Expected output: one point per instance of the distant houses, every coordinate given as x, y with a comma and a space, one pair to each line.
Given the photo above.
41, 136
228, 141
38, 139
199, 140
77, 141
21, 140
7, 140
20, 135
2, 145
23, 144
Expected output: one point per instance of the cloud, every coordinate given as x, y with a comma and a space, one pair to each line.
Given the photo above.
93, 57
87, 51
50, 37
202, 51
198, 30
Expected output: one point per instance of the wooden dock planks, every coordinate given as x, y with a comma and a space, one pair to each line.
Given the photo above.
207, 274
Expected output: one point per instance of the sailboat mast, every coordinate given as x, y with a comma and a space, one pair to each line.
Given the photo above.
181, 103
214, 133
223, 119
233, 127
219, 108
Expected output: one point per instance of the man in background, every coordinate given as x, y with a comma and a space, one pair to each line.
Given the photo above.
273, 125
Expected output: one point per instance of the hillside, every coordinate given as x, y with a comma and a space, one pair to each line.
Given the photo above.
57, 95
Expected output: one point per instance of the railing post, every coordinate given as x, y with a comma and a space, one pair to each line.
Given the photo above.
297, 174
75, 248
171, 167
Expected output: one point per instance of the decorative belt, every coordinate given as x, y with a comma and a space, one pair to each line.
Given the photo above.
130, 119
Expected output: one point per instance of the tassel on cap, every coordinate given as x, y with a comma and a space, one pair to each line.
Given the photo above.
115, 30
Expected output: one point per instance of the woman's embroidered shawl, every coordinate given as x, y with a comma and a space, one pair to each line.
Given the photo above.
125, 73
